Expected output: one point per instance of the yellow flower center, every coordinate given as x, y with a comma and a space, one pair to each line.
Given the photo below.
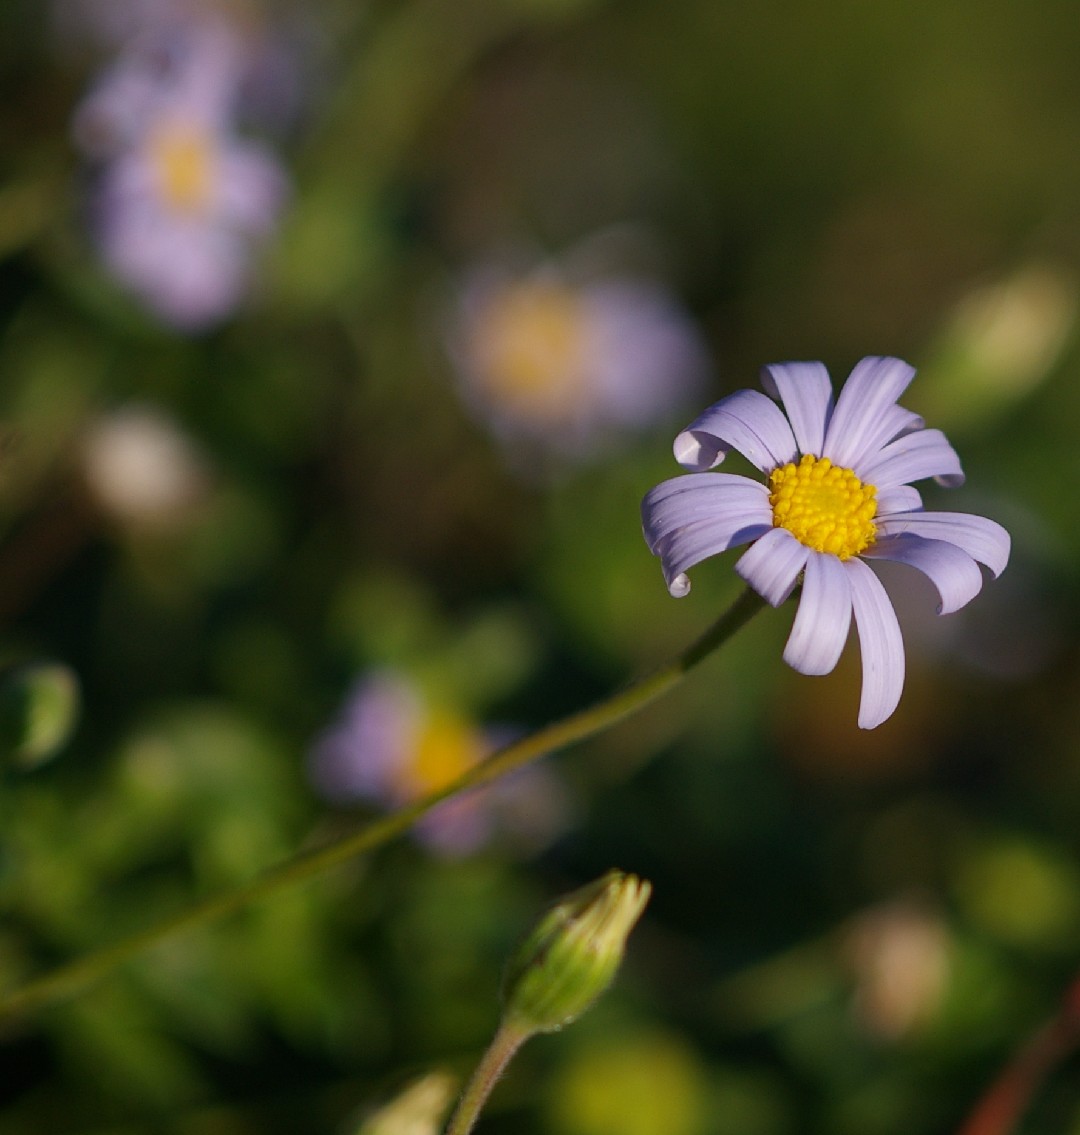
446, 747
824, 506
184, 158
531, 336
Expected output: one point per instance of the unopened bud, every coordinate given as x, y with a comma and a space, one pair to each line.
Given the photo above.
572, 955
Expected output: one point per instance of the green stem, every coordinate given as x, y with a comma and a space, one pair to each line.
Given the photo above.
507, 1041
68, 979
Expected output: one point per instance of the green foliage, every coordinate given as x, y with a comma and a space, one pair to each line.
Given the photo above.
39, 705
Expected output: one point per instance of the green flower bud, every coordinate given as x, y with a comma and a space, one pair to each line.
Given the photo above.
572, 955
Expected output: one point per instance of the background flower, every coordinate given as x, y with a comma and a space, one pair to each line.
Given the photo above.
391, 746
568, 364
183, 202
141, 469
181, 215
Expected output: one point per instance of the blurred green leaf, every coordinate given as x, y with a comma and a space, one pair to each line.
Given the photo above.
39, 709
648, 1082
1021, 891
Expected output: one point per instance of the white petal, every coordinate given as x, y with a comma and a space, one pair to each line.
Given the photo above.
952, 571
864, 409
687, 519
984, 540
685, 547
686, 501
747, 421
688, 546
687, 541
771, 566
694, 494
806, 392
679, 587
897, 498
821, 623
880, 644
894, 423
913, 457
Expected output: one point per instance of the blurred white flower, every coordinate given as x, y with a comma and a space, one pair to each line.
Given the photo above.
899, 953
141, 469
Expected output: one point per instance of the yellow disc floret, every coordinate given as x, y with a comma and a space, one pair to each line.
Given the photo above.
184, 156
532, 339
824, 506
445, 747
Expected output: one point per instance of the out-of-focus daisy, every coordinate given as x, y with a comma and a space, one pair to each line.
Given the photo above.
111, 22
234, 63
567, 364
182, 212
391, 745
182, 201
837, 495
172, 57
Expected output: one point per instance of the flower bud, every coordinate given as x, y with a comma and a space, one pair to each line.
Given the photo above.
572, 955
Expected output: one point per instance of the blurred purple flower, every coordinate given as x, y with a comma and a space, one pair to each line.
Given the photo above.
181, 215
113, 23
567, 365
844, 501
169, 60
167, 53
182, 201
390, 746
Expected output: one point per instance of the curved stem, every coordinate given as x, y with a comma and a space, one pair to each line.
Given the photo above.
68, 979
492, 1065
1002, 1106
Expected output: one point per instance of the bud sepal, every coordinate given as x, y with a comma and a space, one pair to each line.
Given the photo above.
573, 954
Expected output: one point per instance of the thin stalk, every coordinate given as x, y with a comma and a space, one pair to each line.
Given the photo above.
492, 1064
1001, 1108
68, 979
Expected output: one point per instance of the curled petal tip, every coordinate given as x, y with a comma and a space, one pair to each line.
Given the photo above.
679, 586
697, 452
